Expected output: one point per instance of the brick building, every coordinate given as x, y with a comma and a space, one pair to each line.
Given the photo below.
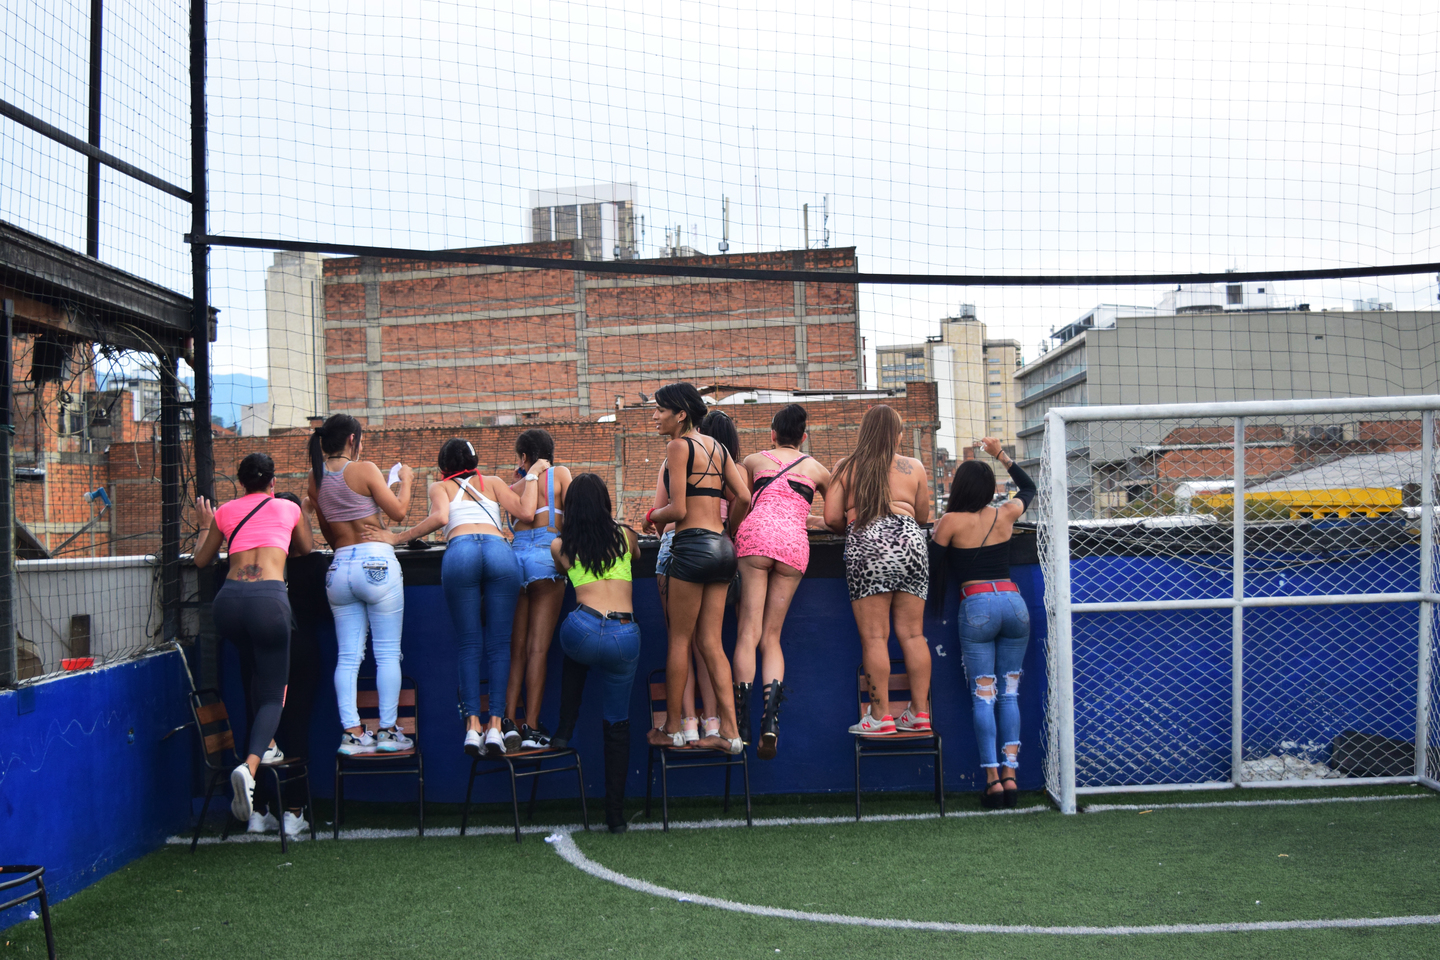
625, 451
414, 343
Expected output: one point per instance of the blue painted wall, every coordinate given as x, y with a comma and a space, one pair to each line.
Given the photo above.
86, 782
822, 652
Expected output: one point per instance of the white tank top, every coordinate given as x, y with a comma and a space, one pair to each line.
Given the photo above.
465, 509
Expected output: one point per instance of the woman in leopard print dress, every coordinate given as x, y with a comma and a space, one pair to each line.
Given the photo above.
880, 499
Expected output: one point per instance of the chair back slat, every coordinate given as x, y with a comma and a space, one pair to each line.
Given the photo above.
212, 722
219, 742
212, 713
367, 704
899, 688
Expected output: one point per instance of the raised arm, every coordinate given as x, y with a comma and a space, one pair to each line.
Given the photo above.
1025, 486
396, 504
439, 516
301, 542
207, 533
519, 505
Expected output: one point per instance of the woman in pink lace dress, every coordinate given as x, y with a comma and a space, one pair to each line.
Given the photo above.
773, 544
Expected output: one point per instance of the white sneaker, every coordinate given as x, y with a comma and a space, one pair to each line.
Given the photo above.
494, 743
262, 822
474, 743
294, 825
392, 740
871, 727
272, 754
244, 786
351, 744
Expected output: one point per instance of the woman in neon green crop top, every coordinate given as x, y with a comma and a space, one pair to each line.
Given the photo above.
601, 631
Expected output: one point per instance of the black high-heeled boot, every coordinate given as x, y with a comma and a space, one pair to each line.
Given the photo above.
617, 764
572, 688
770, 720
742, 709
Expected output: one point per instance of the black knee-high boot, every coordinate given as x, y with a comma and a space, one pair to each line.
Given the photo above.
770, 722
572, 688
617, 765
742, 709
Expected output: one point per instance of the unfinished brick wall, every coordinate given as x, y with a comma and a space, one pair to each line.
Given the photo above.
626, 453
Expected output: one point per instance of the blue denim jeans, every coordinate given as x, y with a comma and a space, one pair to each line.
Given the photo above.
609, 646
364, 588
481, 579
994, 632
532, 552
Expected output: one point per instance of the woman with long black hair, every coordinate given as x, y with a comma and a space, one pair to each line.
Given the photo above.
698, 470
481, 579
601, 632
252, 609
363, 584
994, 624
879, 499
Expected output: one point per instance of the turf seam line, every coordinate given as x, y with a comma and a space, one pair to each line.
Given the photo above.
1309, 801
565, 846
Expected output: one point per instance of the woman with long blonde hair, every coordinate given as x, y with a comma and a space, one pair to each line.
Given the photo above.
879, 499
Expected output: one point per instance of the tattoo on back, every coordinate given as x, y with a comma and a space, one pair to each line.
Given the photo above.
251, 571
903, 465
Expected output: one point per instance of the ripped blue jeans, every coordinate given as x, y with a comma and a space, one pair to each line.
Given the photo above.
994, 632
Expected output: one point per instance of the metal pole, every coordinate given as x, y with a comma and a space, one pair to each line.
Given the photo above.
1237, 614
1427, 577
9, 665
1064, 681
169, 497
200, 258
92, 195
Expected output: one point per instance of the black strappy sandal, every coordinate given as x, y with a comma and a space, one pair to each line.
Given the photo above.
1011, 795
992, 801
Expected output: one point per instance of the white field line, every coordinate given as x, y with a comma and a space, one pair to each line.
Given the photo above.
718, 824
564, 845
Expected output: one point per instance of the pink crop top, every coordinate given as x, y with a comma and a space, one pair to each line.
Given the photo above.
270, 527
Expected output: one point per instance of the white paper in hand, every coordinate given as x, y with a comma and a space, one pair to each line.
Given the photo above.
394, 475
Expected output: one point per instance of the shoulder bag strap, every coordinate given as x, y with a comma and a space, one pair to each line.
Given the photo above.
550, 499
771, 482
234, 532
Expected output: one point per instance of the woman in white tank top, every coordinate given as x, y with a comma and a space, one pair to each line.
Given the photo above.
480, 577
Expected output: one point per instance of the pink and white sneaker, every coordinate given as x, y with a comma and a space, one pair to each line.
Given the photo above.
871, 727
913, 722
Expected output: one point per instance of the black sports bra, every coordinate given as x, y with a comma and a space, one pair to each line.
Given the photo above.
807, 492
693, 489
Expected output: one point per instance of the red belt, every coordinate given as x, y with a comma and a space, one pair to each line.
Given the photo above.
992, 586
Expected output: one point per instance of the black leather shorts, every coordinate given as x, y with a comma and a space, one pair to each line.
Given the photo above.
702, 556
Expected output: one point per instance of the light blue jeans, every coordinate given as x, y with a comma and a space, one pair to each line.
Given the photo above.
365, 590
994, 632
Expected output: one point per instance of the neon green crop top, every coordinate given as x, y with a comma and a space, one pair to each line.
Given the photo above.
619, 570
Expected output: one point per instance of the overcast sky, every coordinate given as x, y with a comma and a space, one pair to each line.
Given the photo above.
1074, 137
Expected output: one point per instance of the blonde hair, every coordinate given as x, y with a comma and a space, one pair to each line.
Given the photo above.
865, 474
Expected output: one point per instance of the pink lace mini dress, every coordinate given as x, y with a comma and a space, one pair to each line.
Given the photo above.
775, 526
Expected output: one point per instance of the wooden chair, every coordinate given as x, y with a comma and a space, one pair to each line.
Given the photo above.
15, 876
900, 744
217, 747
520, 764
397, 763
672, 758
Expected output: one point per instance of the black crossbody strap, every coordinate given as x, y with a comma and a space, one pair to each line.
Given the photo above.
771, 482
247, 516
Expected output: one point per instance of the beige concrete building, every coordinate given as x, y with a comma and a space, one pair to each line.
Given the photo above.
295, 337
974, 374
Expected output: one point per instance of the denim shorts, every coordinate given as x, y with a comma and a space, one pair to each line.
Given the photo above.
532, 552
662, 559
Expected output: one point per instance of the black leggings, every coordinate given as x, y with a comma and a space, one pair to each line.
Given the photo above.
255, 616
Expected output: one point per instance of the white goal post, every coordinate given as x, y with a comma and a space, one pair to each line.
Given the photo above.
1239, 595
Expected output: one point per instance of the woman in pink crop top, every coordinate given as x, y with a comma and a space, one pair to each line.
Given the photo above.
252, 609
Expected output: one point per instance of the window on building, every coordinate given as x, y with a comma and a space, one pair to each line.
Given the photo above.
1234, 293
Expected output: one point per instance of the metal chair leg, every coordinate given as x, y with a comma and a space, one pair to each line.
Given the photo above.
664, 795
45, 918
465, 816
514, 799
280, 799
745, 769
857, 779
580, 782
649, 780
339, 798
534, 795
205, 808
309, 801
420, 764
940, 776
725, 807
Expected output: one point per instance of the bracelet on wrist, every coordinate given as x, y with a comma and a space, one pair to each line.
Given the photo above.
531, 476
648, 514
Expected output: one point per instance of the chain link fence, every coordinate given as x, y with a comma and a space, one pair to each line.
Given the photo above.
1238, 594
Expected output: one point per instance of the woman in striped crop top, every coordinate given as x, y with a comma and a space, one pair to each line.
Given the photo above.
363, 584
994, 623
481, 579
252, 609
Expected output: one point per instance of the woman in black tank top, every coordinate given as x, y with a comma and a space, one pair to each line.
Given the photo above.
994, 623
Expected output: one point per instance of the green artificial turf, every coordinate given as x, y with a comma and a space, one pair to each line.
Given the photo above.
489, 897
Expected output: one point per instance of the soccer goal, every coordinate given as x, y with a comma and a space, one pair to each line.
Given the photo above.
1239, 595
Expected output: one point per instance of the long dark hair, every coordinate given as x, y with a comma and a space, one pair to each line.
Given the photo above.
330, 438
719, 427
591, 537
972, 489
865, 474
683, 398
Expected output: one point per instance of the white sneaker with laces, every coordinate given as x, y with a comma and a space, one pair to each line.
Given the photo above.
262, 823
494, 743
244, 786
871, 727
392, 740
474, 743
272, 754
351, 743
294, 825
